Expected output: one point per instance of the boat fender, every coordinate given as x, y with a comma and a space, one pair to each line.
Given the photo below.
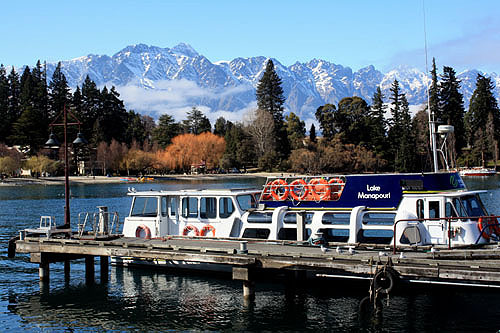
190, 228
299, 189
384, 280
143, 231
279, 190
206, 229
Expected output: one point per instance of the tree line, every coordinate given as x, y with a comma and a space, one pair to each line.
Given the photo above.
355, 136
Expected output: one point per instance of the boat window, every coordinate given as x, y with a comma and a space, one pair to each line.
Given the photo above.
411, 235
335, 235
336, 218
260, 217
473, 206
450, 210
287, 234
375, 236
379, 218
291, 218
190, 207
434, 209
208, 208
226, 207
420, 208
246, 201
459, 207
145, 206
164, 206
173, 206
256, 233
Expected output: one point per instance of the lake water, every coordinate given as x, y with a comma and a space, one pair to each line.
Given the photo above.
153, 300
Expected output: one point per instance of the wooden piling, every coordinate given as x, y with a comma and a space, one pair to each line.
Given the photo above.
67, 270
89, 270
103, 260
44, 271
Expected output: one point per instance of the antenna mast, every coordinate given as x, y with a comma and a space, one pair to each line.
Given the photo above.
432, 123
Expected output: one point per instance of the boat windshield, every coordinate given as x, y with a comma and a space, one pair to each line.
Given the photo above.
246, 201
471, 205
145, 206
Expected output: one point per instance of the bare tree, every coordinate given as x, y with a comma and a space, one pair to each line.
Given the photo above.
260, 126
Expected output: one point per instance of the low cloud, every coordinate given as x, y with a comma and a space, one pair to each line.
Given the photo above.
177, 97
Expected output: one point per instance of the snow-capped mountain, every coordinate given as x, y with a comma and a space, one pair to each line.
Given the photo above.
158, 80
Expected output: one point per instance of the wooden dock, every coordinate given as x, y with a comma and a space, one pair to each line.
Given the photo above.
245, 259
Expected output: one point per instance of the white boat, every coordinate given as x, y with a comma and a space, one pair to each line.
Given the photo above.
477, 172
402, 209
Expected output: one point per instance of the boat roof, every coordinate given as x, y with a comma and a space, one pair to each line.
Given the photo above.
196, 192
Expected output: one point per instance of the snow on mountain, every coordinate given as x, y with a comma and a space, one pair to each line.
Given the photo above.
175, 79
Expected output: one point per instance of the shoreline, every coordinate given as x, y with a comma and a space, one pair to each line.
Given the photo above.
21, 181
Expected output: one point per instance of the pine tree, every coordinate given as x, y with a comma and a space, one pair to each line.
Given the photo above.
451, 108
394, 132
196, 122
483, 121
378, 123
5, 123
166, 130
434, 92
14, 96
312, 133
91, 106
220, 126
59, 94
405, 154
270, 98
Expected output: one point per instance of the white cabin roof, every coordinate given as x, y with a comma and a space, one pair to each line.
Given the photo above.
197, 192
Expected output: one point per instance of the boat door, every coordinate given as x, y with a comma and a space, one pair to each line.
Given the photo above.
172, 208
435, 226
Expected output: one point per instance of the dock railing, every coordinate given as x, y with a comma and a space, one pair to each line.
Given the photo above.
98, 223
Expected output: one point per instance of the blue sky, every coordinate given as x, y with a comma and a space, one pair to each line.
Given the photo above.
460, 34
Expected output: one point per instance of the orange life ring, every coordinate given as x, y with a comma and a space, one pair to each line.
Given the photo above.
320, 189
206, 229
277, 191
187, 230
143, 232
495, 227
336, 188
299, 189
266, 193
483, 223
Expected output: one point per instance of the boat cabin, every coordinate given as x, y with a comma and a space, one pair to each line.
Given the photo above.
214, 213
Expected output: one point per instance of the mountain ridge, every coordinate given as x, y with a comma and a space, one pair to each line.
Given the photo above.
226, 87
